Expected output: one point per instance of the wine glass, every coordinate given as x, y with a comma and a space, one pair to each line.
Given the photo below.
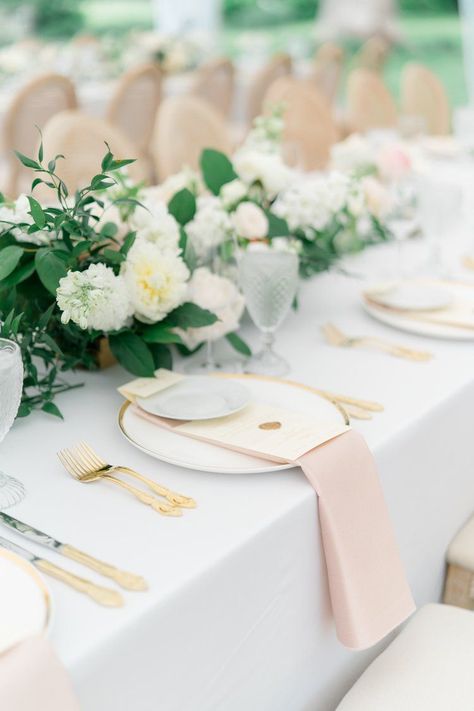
11, 384
268, 280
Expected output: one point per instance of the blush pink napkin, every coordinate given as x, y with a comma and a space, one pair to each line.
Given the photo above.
33, 679
369, 591
370, 595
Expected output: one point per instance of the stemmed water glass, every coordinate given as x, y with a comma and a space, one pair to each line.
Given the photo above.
401, 217
11, 383
268, 280
221, 261
439, 212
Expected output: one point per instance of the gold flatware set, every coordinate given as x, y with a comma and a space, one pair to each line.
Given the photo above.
86, 466
98, 593
335, 337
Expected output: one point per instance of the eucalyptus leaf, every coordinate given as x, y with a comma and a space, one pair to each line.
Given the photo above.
37, 212
51, 268
9, 259
158, 333
182, 206
217, 169
190, 315
238, 344
133, 353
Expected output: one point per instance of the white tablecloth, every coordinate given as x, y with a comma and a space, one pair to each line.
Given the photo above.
238, 614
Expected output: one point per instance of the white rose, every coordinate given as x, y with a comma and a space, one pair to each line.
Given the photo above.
219, 295
250, 221
155, 280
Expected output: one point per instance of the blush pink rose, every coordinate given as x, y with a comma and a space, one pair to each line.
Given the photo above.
393, 162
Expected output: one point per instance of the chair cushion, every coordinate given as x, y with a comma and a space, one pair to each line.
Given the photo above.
461, 549
428, 667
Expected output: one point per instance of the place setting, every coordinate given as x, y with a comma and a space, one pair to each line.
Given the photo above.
236, 295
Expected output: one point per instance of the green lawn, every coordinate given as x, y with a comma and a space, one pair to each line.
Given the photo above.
433, 40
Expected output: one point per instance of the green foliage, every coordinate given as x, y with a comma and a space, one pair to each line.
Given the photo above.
248, 13
183, 207
238, 344
217, 170
74, 235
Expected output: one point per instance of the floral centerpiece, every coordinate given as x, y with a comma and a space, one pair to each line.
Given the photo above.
67, 279
128, 263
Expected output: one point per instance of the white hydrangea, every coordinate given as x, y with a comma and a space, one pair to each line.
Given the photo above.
17, 213
210, 226
156, 280
154, 223
186, 178
267, 130
312, 203
354, 153
219, 295
232, 193
95, 299
268, 169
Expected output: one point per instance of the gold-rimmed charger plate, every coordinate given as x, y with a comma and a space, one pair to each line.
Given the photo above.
25, 601
167, 446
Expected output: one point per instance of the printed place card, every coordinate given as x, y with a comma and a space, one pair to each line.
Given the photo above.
262, 430
146, 387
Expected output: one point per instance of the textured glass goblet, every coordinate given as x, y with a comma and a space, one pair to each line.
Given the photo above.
11, 383
268, 280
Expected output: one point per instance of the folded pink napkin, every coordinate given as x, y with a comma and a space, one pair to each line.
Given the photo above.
32, 679
370, 595
369, 591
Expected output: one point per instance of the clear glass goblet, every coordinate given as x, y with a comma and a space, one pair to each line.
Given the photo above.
439, 213
11, 384
268, 280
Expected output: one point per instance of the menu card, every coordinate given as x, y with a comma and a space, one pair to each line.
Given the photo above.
273, 433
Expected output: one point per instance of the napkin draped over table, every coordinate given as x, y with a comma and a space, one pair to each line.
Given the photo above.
32, 679
369, 591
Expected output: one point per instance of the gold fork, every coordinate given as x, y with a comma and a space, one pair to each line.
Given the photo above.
100, 464
81, 469
336, 337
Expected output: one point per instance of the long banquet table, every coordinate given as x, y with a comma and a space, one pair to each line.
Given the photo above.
238, 615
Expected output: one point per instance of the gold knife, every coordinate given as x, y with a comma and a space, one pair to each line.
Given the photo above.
128, 581
104, 596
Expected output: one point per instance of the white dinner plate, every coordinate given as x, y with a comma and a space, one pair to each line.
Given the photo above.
168, 446
25, 601
409, 296
197, 398
420, 328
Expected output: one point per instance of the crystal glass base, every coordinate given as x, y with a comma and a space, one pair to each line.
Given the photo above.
267, 362
12, 491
